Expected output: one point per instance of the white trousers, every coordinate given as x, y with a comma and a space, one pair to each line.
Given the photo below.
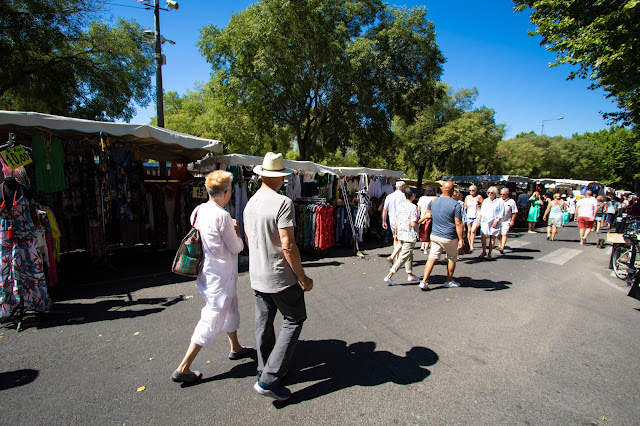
214, 319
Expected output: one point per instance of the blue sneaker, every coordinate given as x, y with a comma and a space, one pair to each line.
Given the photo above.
279, 393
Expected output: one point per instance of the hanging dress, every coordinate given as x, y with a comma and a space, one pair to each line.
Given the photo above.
21, 270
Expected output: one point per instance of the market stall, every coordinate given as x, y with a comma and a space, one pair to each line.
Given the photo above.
86, 185
515, 183
323, 196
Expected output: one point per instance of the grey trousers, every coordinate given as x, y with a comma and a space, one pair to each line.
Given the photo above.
274, 354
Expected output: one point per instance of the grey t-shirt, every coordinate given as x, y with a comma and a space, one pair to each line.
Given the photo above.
265, 213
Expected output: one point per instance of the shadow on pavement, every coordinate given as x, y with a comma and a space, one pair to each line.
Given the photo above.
62, 314
240, 371
319, 264
486, 284
13, 379
120, 288
333, 365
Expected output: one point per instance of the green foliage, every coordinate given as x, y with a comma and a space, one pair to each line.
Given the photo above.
609, 156
601, 38
621, 156
449, 137
212, 112
56, 59
333, 73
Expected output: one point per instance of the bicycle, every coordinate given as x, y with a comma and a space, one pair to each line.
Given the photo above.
625, 259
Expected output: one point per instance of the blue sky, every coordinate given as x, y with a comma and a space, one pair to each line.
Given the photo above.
485, 43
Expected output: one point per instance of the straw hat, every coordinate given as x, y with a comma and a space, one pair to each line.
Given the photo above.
272, 166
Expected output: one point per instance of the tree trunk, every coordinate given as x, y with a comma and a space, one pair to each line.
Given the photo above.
304, 146
420, 172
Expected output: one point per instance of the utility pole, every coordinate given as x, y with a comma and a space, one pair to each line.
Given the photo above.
158, 58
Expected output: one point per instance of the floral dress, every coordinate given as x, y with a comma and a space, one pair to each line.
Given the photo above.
22, 277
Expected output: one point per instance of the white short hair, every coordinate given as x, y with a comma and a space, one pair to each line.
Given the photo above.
400, 184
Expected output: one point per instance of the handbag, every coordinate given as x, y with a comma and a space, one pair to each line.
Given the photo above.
190, 254
424, 231
565, 217
465, 248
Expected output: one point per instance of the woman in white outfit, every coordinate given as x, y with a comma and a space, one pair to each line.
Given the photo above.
217, 279
491, 214
423, 204
472, 203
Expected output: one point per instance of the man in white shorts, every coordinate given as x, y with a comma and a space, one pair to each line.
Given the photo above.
391, 204
509, 218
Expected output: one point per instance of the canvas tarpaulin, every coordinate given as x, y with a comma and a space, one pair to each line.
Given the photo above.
145, 141
209, 163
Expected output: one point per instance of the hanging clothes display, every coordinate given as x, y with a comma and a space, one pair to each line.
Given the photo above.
48, 156
22, 279
362, 217
314, 226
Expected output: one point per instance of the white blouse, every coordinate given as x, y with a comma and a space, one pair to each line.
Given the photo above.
221, 246
491, 210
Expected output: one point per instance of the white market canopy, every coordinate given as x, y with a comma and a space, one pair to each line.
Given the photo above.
145, 141
209, 163
576, 182
488, 178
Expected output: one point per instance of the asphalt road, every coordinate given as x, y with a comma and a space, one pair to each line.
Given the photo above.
533, 337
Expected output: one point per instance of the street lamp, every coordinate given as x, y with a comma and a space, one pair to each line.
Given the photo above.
552, 119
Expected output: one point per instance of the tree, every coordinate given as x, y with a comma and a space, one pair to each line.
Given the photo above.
621, 156
333, 72
448, 136
600, 37
537, 156
212, 112
56, 59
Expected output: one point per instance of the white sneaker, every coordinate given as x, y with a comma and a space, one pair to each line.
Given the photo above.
389, 281
415, 278
423, 286
451, 283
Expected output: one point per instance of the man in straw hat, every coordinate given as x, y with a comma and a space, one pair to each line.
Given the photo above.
277, 277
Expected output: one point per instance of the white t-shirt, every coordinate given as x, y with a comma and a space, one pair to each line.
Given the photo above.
587, 207
391, 203
424, 201
472, 206
509, 209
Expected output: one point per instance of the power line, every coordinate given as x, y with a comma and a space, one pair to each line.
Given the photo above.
126, 5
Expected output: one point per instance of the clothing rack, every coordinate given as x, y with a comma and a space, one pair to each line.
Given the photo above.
348, 209
10, 143
311, 200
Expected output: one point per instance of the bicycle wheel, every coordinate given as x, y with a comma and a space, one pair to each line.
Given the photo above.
621, 261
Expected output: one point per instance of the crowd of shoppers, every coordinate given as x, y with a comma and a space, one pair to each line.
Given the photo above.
455, 222
277, 276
